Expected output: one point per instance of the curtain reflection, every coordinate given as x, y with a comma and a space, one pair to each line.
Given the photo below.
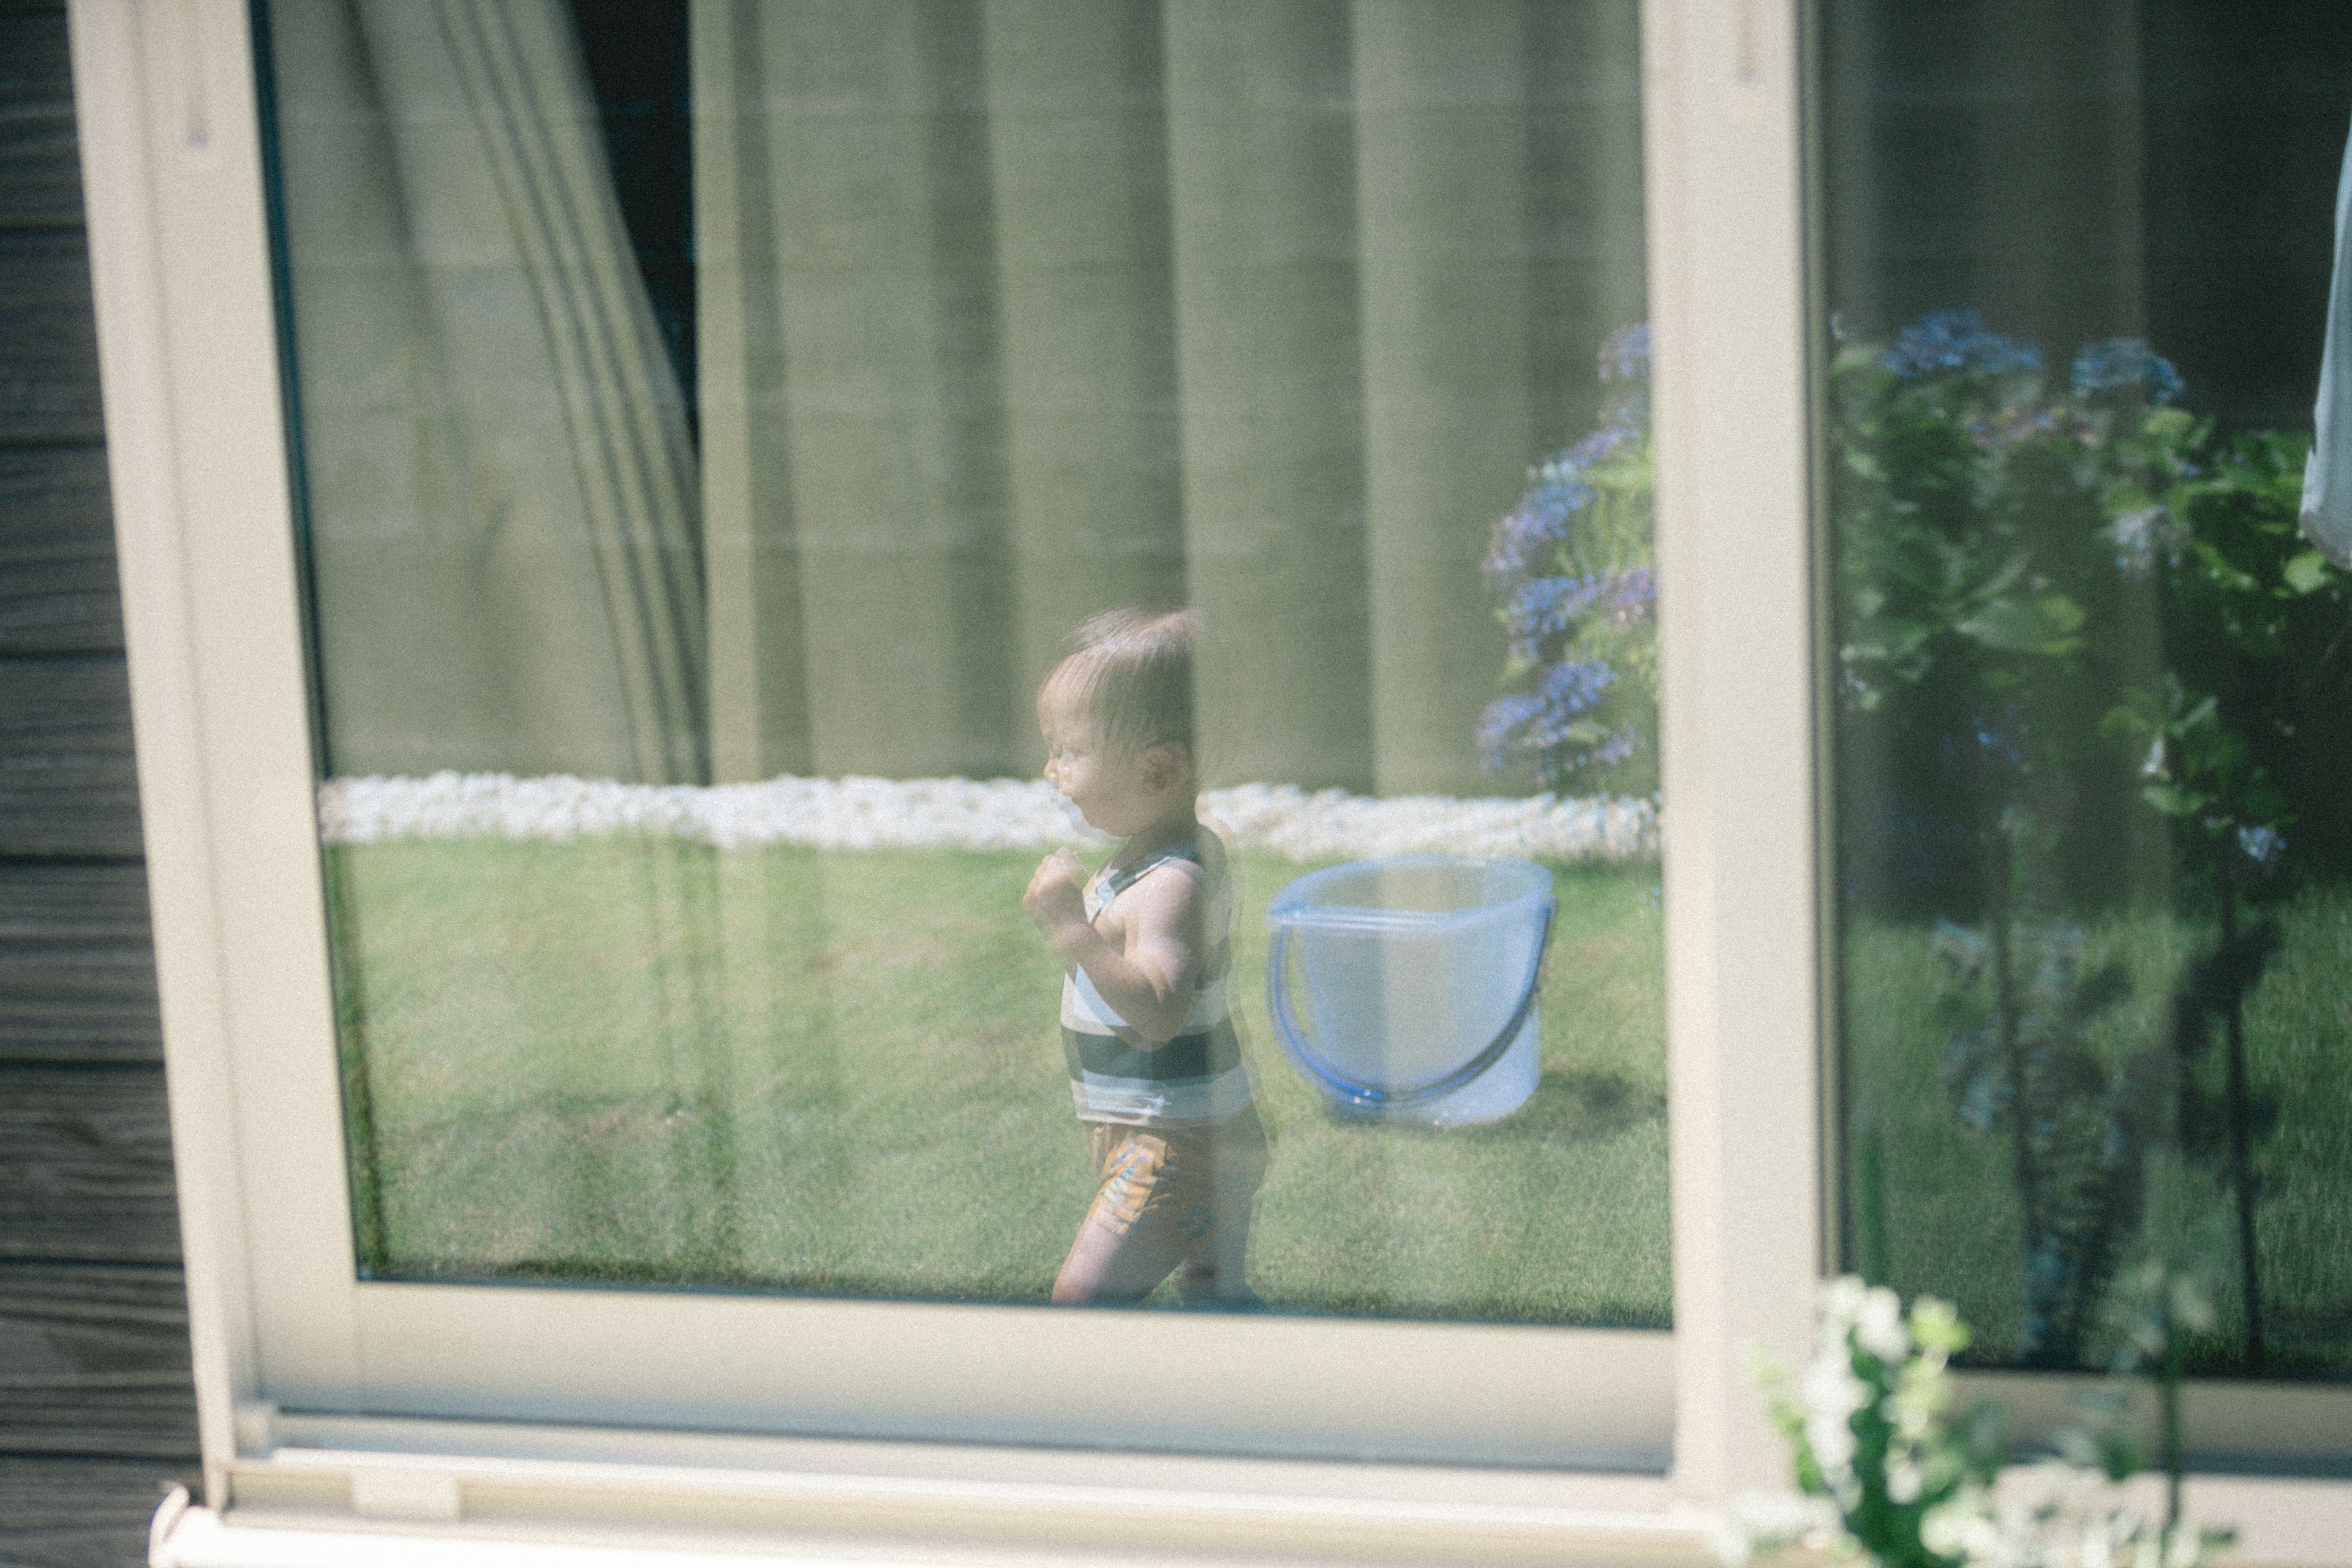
1007, 314
500, 488
1034, 310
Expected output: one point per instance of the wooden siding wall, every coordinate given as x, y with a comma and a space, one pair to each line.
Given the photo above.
97, 1412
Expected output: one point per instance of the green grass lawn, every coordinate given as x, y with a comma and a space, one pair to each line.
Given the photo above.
638, 1059
1951, 1213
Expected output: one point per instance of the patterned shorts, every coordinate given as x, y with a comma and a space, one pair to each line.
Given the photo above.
1183, 1181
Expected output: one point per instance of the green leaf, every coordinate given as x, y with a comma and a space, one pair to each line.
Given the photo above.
2059, 611
1852, 357
2222, 571
2174, 801
1886, 641
2002, 580
2126, 725
2043, 626
2306, 572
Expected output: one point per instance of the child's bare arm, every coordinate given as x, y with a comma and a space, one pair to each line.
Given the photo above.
1144, 952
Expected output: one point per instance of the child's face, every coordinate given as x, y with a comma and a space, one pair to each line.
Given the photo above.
1119, 792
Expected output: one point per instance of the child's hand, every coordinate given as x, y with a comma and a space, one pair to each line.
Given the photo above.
1056, 899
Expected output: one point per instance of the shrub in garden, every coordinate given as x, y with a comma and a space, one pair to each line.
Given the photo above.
1993, 529
1574, 567
1999, 536
2068, 614
2009, 546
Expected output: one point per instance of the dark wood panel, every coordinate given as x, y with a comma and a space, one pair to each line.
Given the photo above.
40, 180
48, 339
77, 963
94, 1360
86, 1166
82, 1513
57, 588
66, 782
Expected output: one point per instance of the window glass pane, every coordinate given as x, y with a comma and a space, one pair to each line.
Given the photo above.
716, 432
2094, 646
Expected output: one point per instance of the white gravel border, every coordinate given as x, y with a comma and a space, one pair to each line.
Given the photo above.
967, 814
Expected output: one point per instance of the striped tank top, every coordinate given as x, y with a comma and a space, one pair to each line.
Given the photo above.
1193, 1079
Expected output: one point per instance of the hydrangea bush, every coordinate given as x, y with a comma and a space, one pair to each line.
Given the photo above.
1997, 529
1997, 525
2000, 523
1990, 518
1574, 567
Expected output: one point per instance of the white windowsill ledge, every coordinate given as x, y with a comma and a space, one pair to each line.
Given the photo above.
368, 1491
373, 1492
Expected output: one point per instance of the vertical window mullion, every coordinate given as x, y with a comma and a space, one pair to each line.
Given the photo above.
1727, 306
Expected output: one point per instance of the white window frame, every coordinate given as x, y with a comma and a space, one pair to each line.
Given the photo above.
543, 1414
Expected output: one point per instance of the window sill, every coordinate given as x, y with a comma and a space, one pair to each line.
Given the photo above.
367, 1492
370, 1491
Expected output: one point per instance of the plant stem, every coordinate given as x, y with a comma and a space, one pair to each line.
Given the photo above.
2242, 1162
1869, 1200
2012, 1048
2168, 1394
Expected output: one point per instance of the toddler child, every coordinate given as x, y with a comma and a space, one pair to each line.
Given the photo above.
1155, 1066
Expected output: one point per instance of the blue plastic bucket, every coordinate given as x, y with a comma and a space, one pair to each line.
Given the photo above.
1418, 976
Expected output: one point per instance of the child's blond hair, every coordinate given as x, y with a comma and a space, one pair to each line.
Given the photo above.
1130, 672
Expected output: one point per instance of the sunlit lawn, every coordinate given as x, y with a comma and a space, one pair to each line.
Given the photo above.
1952, 1212
636, 1060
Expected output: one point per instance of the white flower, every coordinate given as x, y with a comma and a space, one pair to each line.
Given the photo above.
1878, 1326
2141, 536
1832, 1394
1963, 1526
1840, 1300
1903, 1480
1763, 1521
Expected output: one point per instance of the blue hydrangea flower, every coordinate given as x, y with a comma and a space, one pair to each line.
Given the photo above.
1625, 354
2046, 1275
2125, 365
1972, 1078
1522, 537
2142, 536
1997, 742
1560, 580
1499, 726
2262, 846
1537, 608
1618, 746
1568, 689
2018, 424
1598, 448
1957, 342
1632, 596
1539, 720
1542, 606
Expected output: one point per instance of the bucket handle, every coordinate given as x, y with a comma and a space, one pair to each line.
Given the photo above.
1358, 1092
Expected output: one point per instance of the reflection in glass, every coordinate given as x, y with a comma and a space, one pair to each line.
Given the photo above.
683, 572
2093, 680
